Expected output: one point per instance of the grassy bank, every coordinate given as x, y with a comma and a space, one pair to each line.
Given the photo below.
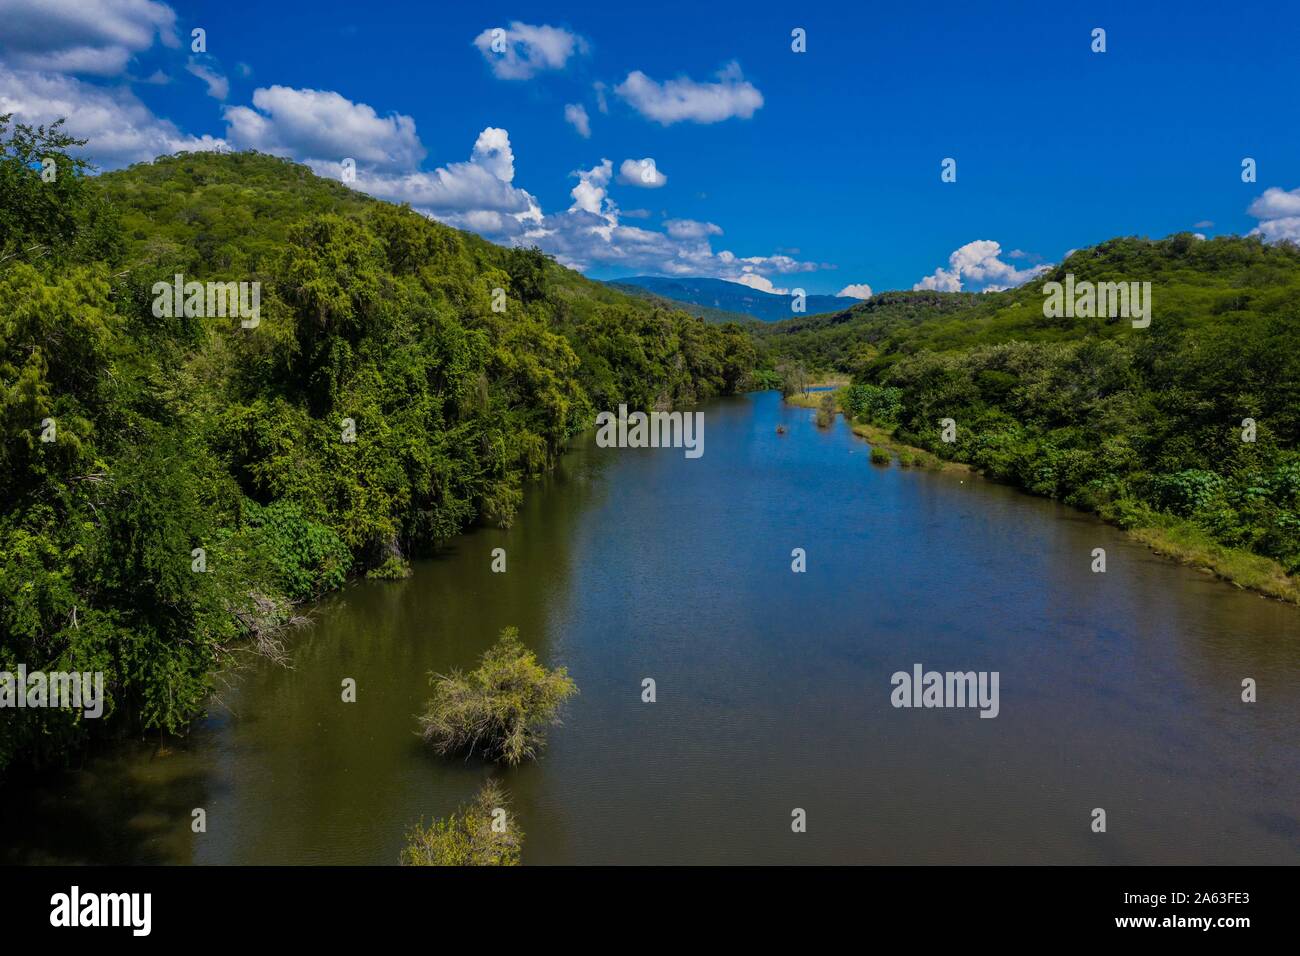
1188, 544
1172, 538
909, 456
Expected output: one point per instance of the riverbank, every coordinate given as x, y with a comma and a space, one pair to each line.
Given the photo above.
901, 568
1173, 537
909, 456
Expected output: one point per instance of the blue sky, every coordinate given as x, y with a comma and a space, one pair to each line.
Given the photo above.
817, 170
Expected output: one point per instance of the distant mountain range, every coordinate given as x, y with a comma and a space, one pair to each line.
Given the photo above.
732, 299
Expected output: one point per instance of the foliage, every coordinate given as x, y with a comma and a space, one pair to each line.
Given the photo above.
501, 707
826, 409
186, 433
872, 403
308, 558
467, 837
1131, 423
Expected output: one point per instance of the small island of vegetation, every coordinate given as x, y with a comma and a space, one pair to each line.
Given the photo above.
500, 708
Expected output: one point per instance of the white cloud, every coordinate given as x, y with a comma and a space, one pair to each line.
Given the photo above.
602, 103
761, 283
474, 195
641, 172
858, 290
96, 37
523, 50
324, 126
218, 85
591, 193
591, 233
684, 99
1276, 203
575, 114
492, 151
978, 262
119, 128
1279, 213
691, 229
1277, 230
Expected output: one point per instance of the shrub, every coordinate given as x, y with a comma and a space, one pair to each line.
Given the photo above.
1188, 490
308, 557
392, 569
879, 456
467, 837
826, 411
501, 707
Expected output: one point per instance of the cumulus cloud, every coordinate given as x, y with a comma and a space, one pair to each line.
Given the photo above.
978, 262
761, 283
575, 114
477, 194
690, 229
858, 290
592, 192
683, 99
641, 172
322, 128
1279, 214
96, 37
120, 129
323, 125
524, 50
591, 232
218, 85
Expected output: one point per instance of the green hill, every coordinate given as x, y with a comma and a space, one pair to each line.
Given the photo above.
1187, 431
172, 483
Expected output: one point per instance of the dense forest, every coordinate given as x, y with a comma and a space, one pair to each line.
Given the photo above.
1191, 425
171, 485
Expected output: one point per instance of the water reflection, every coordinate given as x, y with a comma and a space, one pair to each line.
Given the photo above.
1119, 690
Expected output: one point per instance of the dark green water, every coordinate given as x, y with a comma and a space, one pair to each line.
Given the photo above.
1118, 690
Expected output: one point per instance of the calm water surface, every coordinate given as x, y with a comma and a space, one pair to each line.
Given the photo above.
1118, 690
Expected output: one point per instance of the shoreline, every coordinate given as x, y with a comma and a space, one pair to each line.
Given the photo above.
1176, 539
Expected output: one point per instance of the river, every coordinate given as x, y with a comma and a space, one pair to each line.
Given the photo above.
1119, 690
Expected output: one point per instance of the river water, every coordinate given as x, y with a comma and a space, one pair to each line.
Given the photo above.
1119, 691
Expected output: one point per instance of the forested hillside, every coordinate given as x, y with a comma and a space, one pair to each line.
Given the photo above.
170, 486
1147, 426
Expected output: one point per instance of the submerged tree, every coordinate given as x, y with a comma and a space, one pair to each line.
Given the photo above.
501, 707
480, 834
794, 378
826, 411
